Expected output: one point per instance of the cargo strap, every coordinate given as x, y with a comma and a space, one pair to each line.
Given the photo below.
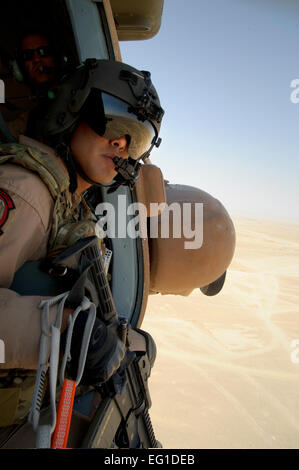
66, 401
64, 415
49, 346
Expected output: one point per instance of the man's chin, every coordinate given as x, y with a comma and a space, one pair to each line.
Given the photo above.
105, 179
41, 79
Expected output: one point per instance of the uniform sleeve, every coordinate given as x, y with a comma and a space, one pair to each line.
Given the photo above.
25, 215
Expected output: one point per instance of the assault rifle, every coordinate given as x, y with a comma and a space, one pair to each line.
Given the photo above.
114, 414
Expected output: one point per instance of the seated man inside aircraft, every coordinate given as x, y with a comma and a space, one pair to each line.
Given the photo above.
36, 65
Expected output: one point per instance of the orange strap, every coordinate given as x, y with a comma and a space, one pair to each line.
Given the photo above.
64, 415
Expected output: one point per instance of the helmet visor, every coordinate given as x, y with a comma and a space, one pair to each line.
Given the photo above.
120, 122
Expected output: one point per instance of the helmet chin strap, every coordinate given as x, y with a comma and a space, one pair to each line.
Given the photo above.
73, 167
127, 173
83, 175
127, 170
63, 150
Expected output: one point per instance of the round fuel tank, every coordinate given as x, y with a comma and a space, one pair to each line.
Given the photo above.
177, 264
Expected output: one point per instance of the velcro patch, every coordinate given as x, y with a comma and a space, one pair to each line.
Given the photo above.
6, 204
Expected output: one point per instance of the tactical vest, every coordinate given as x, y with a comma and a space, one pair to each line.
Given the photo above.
68, 225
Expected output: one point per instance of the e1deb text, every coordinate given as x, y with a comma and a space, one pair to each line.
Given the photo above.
151, 459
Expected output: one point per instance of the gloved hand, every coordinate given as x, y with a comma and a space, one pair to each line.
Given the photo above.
105, 353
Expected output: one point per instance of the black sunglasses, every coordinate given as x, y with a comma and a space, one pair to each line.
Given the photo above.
43, 51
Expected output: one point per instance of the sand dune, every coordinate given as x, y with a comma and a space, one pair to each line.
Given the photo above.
225, 375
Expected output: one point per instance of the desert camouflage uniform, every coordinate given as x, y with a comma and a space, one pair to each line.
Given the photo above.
38, 216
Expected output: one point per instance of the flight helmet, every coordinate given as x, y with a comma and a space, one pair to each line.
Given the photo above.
114, 99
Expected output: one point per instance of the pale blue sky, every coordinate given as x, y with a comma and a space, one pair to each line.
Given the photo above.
223, 70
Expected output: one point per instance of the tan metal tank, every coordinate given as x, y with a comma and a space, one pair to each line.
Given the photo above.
175, 268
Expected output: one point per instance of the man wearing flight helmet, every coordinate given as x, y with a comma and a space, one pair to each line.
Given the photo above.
38, 65
136, 117
103, 120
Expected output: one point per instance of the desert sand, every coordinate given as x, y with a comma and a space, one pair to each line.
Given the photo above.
226, 374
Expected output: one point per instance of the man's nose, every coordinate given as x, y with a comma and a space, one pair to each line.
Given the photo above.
120, 143
36, 56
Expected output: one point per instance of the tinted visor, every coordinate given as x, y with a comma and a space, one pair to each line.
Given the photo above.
114, 121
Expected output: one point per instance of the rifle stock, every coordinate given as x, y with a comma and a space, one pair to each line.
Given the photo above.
122, 420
